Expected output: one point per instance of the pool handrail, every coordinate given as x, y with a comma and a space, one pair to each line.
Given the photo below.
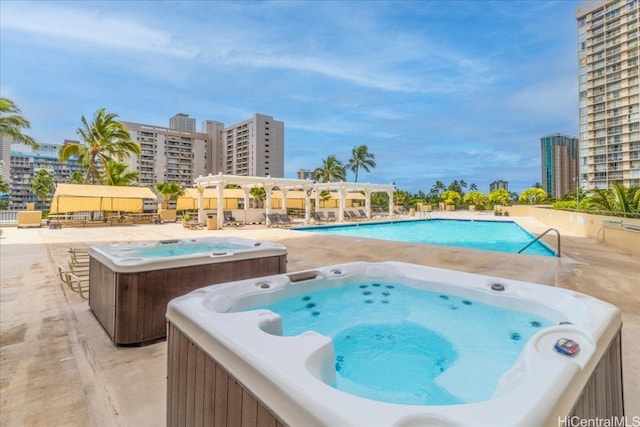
539, 237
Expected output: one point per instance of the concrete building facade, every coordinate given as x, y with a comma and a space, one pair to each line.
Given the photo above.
559, 154
24, 162
182, 122
609, 105
497, 185
254, 147
168, 155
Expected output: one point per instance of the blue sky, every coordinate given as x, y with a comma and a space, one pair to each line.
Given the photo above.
438, 90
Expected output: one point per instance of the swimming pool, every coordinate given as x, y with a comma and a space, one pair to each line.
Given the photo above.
231, 355
504, 236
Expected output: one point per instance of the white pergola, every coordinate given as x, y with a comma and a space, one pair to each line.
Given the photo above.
246, 183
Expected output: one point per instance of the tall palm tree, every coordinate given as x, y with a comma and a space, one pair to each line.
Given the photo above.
115, 173
11, 125
332, 169
361, 158
104, 139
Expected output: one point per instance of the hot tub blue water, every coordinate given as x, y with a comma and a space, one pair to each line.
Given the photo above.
399, 344
504, 236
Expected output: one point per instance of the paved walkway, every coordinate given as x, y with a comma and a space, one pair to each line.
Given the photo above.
57, 365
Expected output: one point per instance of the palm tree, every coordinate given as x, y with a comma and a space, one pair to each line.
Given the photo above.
12, 125
361, 158
500, 197
618, 199
42, 185
473, 187
533, 195
4, 185
104, 139
170, 191
4, 189
115, 173
436, 190
331, 170
76, 177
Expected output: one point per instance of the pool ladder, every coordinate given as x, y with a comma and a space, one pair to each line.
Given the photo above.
539, 237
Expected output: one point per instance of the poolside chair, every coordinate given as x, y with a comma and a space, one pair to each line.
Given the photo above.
352, 215
273, 219
76, 275
363, 214
285, 220
230, 220
315, 216
332, 216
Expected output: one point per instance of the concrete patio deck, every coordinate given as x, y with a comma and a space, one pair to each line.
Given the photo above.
58, 366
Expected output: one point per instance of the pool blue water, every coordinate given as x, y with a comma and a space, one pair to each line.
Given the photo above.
177, 249
399, 344
505, 236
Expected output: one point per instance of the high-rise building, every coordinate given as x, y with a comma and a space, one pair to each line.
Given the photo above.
254, 147
559, 155
609, 105
182, 122
168, 155
497, 185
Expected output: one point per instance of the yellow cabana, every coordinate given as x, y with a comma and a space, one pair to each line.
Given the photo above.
189, 201
81, 198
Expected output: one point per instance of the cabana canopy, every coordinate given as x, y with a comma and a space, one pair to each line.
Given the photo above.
81, 198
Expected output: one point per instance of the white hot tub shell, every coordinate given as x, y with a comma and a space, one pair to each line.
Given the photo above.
238, 364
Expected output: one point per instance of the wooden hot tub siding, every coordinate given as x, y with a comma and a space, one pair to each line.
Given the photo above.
201, 392
131, 307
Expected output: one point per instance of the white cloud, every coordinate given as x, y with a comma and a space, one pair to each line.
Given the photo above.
90, 27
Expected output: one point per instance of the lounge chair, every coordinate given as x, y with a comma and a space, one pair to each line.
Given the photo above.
316, 217
76, 274
352, 215
285, 221
273, 219
230, 220
363, 214
332, 216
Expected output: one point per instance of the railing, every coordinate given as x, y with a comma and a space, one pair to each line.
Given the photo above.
539, 237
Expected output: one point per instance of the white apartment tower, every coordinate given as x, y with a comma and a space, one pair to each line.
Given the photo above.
182, 122
254, 147
609, 105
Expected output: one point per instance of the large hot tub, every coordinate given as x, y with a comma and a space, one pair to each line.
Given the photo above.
390, 344
131, 283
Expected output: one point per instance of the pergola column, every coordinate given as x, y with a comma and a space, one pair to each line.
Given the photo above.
341, 202
307, 203
284, 199
201, 218
390, 194
219, 205
367, 202
268, 187
247, 192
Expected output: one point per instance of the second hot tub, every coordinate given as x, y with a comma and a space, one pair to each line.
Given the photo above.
131, 283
